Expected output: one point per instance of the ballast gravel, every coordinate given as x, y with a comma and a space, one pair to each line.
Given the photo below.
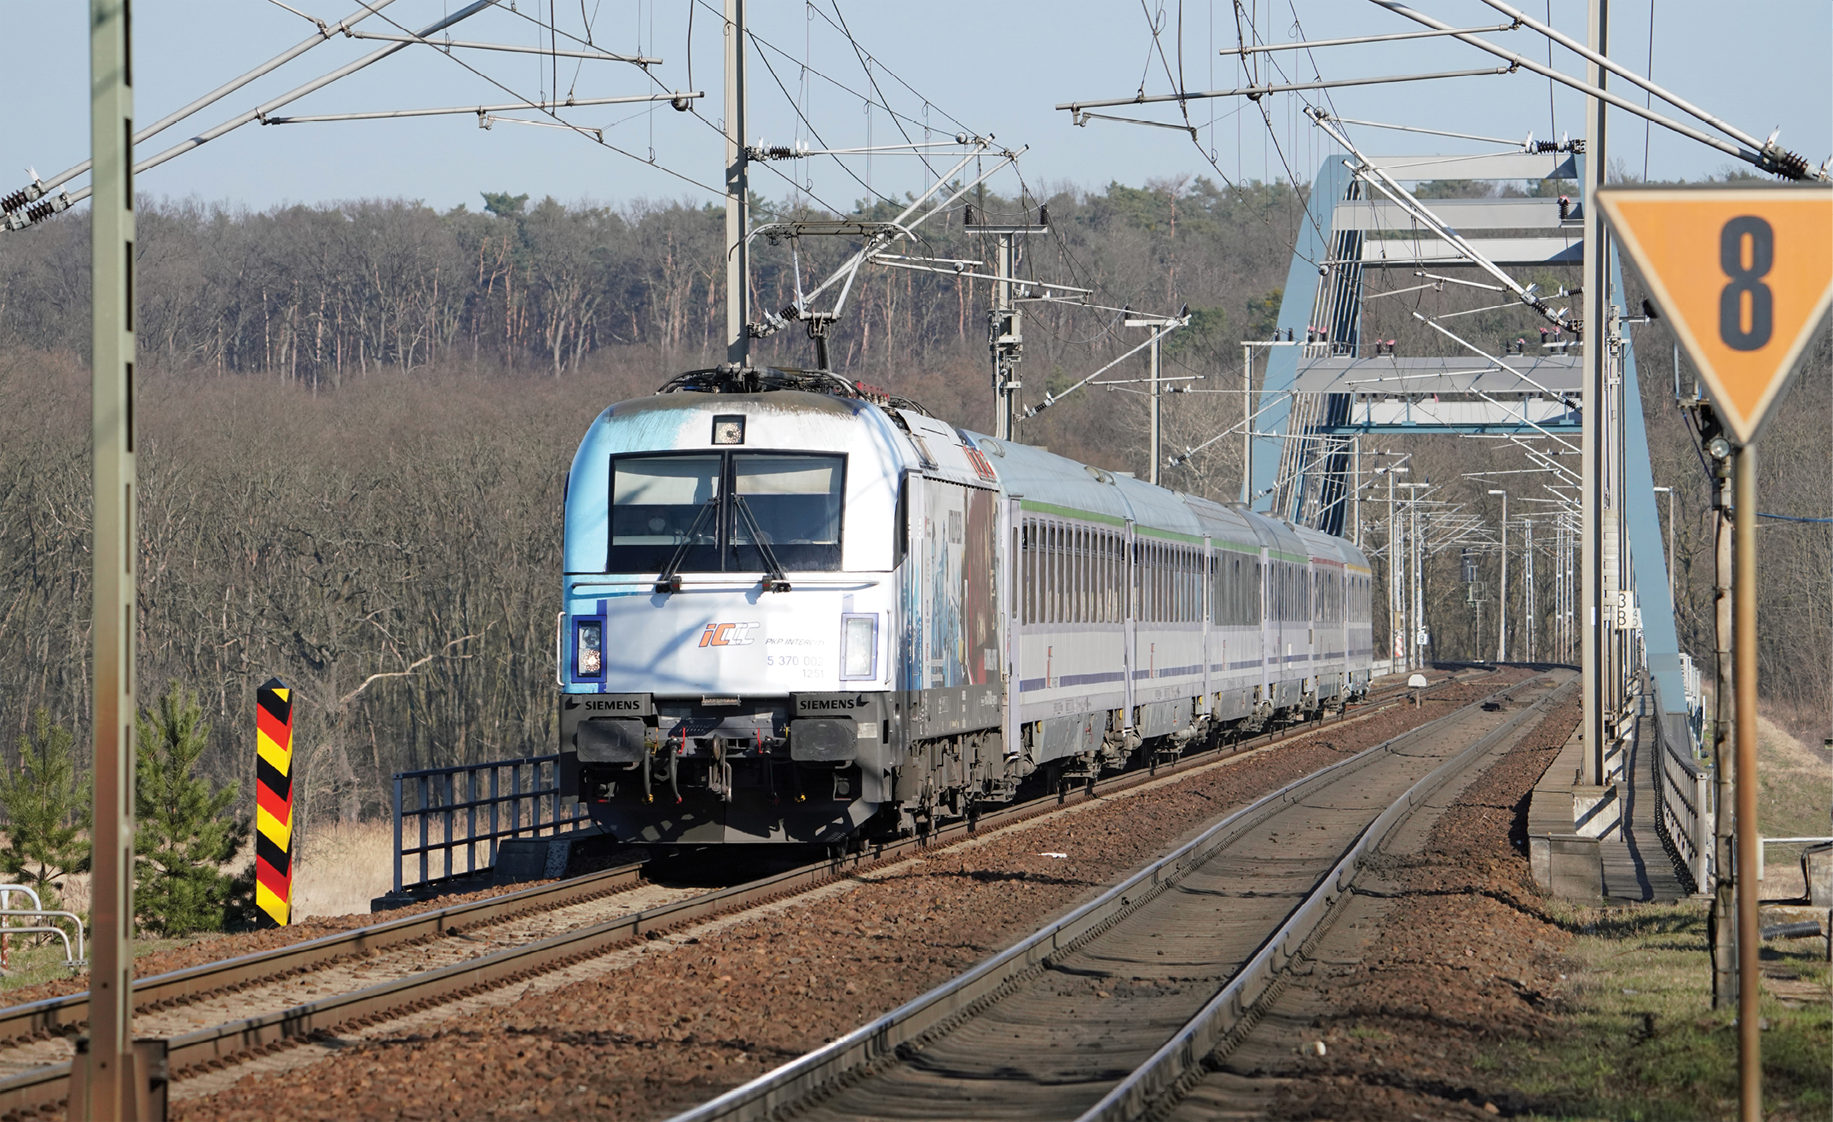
674, 1029
1466, 958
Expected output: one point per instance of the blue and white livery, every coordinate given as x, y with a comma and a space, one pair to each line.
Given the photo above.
798, 612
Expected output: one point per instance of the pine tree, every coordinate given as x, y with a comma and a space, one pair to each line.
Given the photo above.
47, 812
184, 834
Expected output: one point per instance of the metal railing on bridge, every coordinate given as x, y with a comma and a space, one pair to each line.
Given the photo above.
506, 798
1683, 791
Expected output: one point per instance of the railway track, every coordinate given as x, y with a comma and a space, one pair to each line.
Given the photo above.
1110, 1011
221, 1013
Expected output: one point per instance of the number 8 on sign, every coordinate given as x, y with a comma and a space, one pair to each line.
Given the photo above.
1746, 295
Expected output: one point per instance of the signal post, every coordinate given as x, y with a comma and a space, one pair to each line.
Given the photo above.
1745, 275
104, 1084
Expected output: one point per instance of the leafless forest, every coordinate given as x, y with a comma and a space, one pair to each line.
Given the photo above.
354, 422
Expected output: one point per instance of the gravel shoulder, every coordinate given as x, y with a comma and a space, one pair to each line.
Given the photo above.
1448, 954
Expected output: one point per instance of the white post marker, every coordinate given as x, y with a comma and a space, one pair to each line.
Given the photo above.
1746, 276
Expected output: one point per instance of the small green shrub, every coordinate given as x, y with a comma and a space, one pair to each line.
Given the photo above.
185, 833
47, 813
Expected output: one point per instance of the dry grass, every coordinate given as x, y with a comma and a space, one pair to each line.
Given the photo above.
343, 867
1794, 799
1637, 1037
1794, 795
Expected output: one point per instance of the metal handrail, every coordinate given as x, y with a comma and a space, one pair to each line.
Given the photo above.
1683, 797
438, 791
6, 889
453, 769
41, 913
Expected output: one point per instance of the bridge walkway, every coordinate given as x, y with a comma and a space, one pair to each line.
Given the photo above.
1637, 867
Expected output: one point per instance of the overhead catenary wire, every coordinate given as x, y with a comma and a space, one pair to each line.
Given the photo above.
292, 95
509, 48
1425, 131
1358, 40
227, 88
1778, 160
1076, 107
595, 135
1389, 186
807, 123
1157, 334
480, 110
1762, 159
865, 63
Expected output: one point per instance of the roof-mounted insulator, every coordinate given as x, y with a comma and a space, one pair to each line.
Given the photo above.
772, 324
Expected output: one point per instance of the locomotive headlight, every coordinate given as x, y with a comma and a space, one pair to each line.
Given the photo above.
859, 647
589, 648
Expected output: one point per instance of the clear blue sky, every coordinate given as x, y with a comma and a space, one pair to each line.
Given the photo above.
996, 67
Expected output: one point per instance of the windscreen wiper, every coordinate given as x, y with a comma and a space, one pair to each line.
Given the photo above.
774, 580
669, 579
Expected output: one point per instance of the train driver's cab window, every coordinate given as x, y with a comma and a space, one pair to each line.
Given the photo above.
660, 504
732, 512
793, 503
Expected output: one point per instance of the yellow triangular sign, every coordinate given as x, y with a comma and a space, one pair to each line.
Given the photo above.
1744, 275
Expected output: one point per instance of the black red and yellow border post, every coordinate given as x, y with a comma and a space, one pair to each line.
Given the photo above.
274, 804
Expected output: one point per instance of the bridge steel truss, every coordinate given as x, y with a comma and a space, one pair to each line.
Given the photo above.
1332, 386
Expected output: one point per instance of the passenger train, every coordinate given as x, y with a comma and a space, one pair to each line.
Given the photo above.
800, 610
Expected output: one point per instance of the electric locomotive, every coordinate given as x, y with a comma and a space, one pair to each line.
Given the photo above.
799, 610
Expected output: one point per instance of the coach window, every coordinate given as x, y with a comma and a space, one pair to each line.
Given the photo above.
1055, 581
1193, 590
1180, 583
1053, 573
1033, 572
1155, 604
1046, 561
1082, 577
1061, 583
1161, 596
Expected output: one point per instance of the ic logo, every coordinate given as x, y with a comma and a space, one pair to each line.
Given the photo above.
728, 635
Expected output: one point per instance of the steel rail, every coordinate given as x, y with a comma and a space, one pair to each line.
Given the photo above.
963, 996
63, 1014
48, 1085
1237, 1008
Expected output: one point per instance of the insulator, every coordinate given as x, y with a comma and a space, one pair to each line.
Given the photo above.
1786, 164
14, 201
41, 212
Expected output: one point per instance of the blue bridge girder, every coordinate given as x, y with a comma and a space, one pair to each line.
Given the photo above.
1316, 394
